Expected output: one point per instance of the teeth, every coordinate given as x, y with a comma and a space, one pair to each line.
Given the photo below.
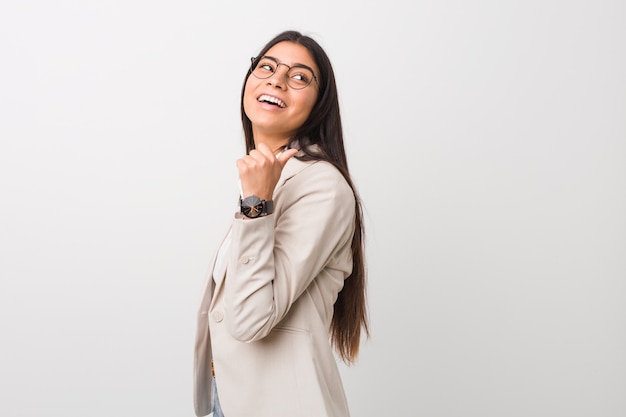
274, 100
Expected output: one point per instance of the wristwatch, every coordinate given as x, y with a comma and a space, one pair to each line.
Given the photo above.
253, 207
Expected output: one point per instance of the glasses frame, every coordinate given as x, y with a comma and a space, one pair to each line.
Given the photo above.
255, 59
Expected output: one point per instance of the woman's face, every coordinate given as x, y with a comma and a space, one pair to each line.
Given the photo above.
276, 109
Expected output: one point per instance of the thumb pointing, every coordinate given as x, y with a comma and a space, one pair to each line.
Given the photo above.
285, 156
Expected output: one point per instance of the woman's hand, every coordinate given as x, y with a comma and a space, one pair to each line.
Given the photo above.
260, 170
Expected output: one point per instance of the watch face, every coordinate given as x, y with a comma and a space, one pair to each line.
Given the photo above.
255, 211
252, 207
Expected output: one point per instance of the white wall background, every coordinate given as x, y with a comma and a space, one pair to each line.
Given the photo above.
487, 138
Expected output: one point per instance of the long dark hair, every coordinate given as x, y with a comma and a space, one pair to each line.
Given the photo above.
321, 138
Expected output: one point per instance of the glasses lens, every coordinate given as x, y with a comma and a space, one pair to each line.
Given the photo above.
263, 67
297, 77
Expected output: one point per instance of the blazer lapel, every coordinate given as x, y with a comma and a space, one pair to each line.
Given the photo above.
220, 264
210, 286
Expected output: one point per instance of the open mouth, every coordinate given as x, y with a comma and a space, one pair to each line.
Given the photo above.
272, 100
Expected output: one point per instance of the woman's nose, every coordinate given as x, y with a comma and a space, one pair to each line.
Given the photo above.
279, 77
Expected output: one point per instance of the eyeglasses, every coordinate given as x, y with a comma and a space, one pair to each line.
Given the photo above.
299, 76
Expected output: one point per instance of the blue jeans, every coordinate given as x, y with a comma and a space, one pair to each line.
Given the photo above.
217, 410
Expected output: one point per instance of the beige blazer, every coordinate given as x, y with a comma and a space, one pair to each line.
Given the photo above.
265, 319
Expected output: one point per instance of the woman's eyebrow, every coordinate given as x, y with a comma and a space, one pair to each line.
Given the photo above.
297, 64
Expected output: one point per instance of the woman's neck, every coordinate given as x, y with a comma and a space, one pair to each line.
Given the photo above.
274, 143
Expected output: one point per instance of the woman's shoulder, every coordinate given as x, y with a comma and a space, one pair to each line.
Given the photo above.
313, 169
305, 163
317, 177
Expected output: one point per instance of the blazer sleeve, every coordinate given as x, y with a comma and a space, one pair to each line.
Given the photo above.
273, 259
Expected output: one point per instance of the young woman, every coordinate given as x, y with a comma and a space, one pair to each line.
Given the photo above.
288, 281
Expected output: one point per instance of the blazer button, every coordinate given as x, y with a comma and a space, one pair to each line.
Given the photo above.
217, 316
244, 259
